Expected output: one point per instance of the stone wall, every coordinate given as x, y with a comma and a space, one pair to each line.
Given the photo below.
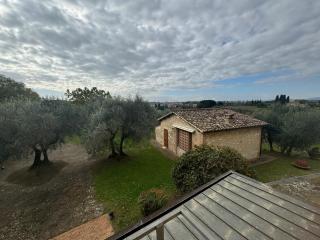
197, 137
247, 141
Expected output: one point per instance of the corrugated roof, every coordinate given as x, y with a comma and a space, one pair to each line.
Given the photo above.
234, 207
215, 119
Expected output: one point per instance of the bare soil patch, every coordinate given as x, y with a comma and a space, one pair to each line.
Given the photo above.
38, 176
41, 205
306, 188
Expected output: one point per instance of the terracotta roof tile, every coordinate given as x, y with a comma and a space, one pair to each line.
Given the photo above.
217, 119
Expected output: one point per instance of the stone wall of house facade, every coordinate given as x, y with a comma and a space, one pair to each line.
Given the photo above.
167, 123
246, 141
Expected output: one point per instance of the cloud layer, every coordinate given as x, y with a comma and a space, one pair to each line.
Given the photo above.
151, 46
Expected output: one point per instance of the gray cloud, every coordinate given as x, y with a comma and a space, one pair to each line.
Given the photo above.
149, 46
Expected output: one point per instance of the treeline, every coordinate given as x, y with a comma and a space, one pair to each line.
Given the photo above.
35, 125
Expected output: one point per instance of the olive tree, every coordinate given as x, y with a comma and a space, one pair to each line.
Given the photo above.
104, 124
10, 90
118, 118
138, 120
274, 118
9, 129
44, 125
300, 130
291, 127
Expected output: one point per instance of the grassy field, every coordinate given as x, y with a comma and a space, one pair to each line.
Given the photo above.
119, 182
281, 168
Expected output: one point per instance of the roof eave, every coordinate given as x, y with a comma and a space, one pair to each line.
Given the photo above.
228, 129
158, 214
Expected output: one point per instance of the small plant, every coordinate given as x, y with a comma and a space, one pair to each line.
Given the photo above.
301, 163
152, 200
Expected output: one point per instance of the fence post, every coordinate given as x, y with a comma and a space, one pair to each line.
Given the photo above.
160, 231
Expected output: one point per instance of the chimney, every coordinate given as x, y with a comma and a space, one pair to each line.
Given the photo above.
229, 118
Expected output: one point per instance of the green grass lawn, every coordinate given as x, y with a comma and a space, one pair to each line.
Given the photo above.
281, 168
119, 182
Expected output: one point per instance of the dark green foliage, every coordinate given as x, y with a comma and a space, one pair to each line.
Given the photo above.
291, 127
10, 89
86, 95
138, 120
152, 200
205, 163
314, 153
9, 130
36, 126
206, 104
122, 118
283, 99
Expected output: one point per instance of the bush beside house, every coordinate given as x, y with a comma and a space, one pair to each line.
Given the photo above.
205, 163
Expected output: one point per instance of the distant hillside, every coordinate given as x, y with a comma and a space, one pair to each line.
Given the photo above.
314, 99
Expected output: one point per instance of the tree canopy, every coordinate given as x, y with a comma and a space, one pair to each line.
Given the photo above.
206, 104
86, 95
283, 99
10, 89
291, 127
36, 126
117, 117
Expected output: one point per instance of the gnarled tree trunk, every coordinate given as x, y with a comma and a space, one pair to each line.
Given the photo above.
37, 157
121, 152
113, 148
45, 156
289, 150
270, 141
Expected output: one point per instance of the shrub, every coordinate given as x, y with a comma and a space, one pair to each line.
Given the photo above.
314, 153
152, 200
204, 163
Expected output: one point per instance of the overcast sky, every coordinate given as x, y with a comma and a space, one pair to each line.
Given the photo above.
164, 50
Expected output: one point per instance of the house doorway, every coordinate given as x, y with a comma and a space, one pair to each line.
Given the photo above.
165, 137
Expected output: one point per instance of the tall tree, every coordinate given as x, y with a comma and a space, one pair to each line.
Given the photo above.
86, 95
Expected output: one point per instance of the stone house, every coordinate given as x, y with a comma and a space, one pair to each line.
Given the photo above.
181, 130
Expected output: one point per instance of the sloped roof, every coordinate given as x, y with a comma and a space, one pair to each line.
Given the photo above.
215, 119
232, 206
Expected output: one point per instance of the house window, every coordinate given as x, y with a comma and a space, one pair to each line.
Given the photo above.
184, 139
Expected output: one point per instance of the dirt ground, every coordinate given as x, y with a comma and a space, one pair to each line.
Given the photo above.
42, 204
306, 188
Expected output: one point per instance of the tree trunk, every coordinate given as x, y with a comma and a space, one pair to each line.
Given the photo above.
45, 156
37, 157
270, 141
113, 148
121, 146
289, 150
283, 149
